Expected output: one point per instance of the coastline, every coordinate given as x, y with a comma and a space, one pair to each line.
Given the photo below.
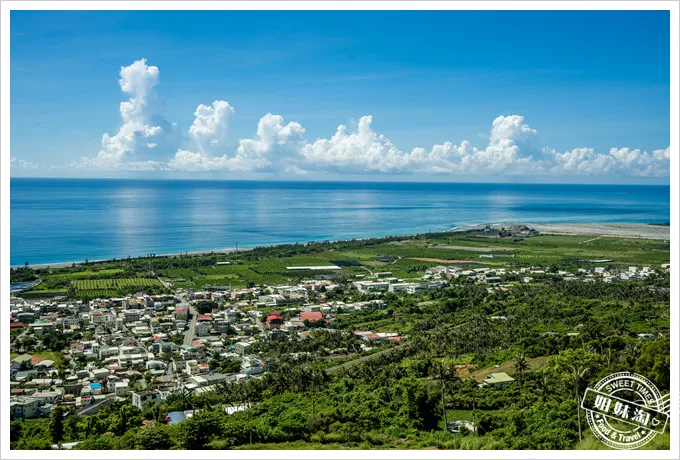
620, 230
170, 254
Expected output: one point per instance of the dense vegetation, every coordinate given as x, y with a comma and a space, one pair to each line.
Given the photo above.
539, 333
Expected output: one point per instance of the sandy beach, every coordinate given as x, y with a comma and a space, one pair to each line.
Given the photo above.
645, 231
650, 232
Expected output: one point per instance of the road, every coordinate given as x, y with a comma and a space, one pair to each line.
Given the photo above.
191, 331
184, 303
93, 409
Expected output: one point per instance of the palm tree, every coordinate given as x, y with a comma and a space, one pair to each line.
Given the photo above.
578, 372
521, 365
444, 371
187, 398
542, 387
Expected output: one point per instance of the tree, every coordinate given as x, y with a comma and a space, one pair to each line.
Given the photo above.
15, 429
56, 424
573, 367
155, 438
521, 365
654, 362
445, 372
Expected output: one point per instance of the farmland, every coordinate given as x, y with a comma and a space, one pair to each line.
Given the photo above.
404, 258
123, 283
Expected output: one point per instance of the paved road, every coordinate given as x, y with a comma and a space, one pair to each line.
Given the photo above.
191, 332
184, 303
94, 408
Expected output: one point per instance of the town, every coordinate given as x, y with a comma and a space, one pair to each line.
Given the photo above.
84, 355
164, 339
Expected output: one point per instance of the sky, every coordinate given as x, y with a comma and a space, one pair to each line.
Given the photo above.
527, 96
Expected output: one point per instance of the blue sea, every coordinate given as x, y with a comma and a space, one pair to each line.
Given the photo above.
66, 220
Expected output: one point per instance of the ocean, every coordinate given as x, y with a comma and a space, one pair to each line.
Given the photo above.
66, 220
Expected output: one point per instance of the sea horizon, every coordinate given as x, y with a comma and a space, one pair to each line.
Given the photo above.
57, 221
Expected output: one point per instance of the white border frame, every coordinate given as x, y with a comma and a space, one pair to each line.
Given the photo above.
7, 6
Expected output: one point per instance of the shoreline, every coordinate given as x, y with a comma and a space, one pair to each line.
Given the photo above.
618, 230
169, 254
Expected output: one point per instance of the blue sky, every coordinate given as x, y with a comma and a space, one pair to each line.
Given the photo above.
577, 83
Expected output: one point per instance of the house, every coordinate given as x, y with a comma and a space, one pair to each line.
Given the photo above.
498, 380
44, 364
372, 286
122, 388
203, 328
274, 320
242, 347
21, 362
47, 397
311, 316
99, 374
41, 327
95, 388
142, 399
181, 313
24, 407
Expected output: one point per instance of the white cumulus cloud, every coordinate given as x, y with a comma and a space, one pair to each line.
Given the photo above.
368, 151
146, 141
143, 132
14, 162
275, 143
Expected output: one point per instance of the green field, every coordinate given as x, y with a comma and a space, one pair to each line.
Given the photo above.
122, 283
412, 256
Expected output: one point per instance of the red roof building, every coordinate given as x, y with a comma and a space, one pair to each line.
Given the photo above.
15, 325
273, 320
311, 316
204, 318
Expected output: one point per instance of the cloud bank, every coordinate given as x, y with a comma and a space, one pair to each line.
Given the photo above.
146, 141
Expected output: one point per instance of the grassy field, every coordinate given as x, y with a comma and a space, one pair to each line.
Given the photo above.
410, 259
122, 283
549, 250
590, 442
508, 367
